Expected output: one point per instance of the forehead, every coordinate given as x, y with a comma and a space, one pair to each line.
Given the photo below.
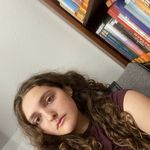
31, 99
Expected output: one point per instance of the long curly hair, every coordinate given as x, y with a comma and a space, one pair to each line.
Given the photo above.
92, 100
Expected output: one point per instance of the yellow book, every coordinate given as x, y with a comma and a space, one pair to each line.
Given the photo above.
137, 60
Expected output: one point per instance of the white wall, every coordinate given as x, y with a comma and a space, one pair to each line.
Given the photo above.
33, 39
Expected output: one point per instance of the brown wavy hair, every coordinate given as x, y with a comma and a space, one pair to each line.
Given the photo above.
91, 100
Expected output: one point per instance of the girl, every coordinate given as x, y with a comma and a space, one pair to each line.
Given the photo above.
71, 112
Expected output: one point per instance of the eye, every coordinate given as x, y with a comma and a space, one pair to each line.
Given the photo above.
49, 99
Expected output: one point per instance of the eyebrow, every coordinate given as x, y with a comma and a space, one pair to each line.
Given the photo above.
40, 102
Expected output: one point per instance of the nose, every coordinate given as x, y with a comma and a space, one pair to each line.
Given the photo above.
50, 115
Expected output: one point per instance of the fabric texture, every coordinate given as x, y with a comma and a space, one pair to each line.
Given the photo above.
94, 129
136, 77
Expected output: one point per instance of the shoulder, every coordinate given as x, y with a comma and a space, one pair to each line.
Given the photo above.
138, 105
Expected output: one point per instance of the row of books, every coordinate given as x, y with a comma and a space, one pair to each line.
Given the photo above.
140, 3
77, 8
127, 28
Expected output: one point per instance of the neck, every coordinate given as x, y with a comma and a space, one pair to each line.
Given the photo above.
82, 123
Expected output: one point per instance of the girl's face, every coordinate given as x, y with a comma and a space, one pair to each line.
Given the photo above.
51, 109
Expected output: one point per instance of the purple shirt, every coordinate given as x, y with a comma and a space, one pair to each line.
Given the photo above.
94, 130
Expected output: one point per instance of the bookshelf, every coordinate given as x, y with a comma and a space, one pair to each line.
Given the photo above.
89, 26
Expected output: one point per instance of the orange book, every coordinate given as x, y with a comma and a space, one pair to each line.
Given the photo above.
145, 57
84, 5
146, 2
148, 54
142, 6
80, 16
85, 1
82, 10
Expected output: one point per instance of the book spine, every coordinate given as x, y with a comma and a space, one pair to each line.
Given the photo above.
78, 2
118, 47
120, 44
84, 5
134, 27
117, 34
139, 60
100, 28
129, 35
80, 15
81, 3
137, 12
71, 4
143, 58
146, 2
113, 12
110, 2
120, 6
65, 7
141, 5
82, 10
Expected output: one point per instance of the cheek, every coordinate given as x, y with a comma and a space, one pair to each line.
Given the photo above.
47, 128
70, 106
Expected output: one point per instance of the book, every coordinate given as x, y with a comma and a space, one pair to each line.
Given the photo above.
70, 4
129, 35
78, 2
117, 34
109, 2
131, 27
137, 12
142, 58
79, 17
81, 3
145, 57
116, 44
134, 27
82, 10
121, 7
146, 2
142, 6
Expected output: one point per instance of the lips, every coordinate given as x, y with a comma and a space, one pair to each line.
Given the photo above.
60, 121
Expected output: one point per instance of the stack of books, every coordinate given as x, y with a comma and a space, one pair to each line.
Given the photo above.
77, 8
127, 28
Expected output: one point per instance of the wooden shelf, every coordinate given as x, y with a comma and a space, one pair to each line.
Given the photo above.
92, 6
86, 30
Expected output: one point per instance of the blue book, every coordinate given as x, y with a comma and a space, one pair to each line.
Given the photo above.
120, 4
71, 5
116, 44
137, 12
123, 47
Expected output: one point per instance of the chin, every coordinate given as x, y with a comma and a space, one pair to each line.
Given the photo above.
69, 128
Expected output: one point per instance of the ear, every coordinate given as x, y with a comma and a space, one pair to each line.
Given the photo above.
68, 90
